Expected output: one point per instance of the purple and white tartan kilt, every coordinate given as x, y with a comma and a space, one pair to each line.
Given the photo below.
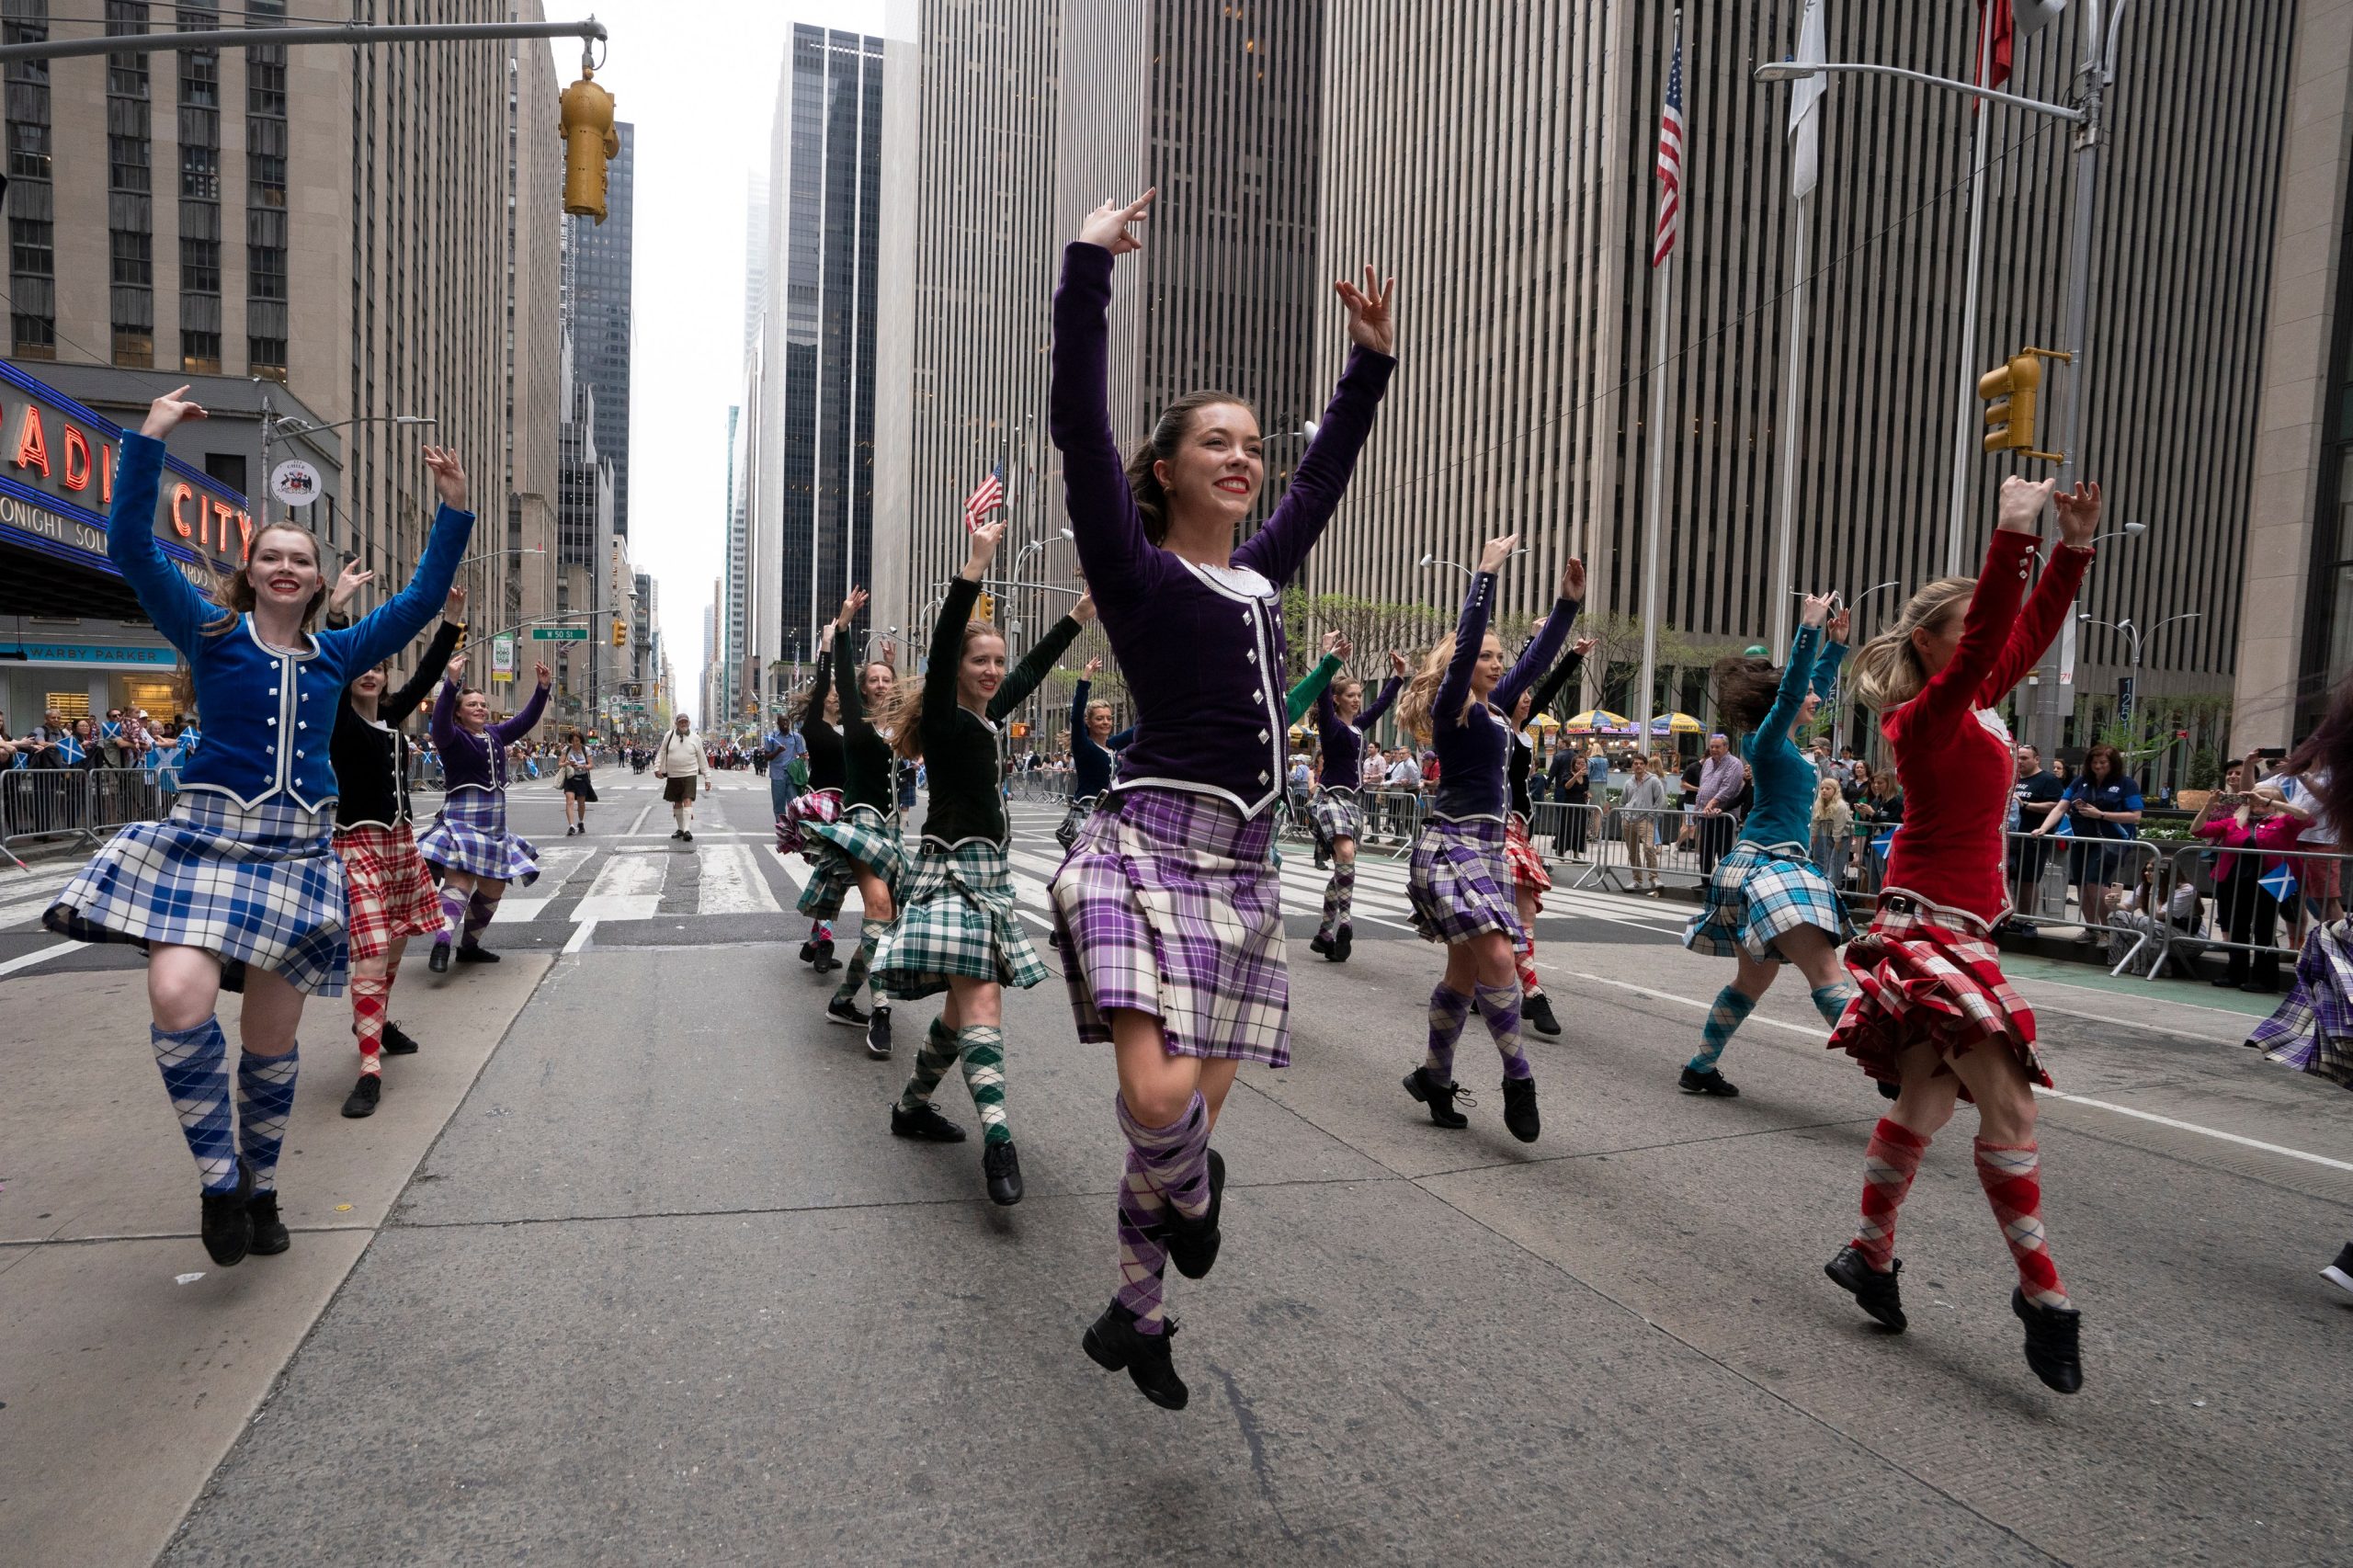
804, 811
469, 835
1756, 896
2312, 1029
1458, 884
1337, 814
1171, 903
257, 886
863, 837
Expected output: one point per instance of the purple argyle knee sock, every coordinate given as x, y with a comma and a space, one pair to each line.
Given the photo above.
1499, 1004
1448, 1009
1166, 1165
453, 914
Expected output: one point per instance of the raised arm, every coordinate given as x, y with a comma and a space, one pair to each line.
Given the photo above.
845, 673
1314, 690
443, 726
523, 724
947, 650
1025, 677
394, 624
1952, 691
1279, 549
1538, 656
1104, 524
1797, 677
396, 706
1469, 634
1078, 711
179, 612
1549, 691
1381, 703
1833, 653
815, 708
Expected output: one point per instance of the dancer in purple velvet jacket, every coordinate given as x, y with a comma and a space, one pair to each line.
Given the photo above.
1169, 907
469, 842
1342, 719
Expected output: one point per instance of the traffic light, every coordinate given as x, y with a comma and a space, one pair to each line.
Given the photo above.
585, 123
2012, 391
620, 634
986, 609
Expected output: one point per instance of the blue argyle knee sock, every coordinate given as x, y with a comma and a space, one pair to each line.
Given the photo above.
1831, 1001
1448, 1008
1732, 1007
1499, 1004
195, 1064
264, 1099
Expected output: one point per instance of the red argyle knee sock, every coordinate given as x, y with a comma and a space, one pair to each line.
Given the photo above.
2012, 1177
1523, 959
1890, 1163
371, 996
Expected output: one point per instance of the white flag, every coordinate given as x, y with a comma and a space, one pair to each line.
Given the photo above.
1805, 124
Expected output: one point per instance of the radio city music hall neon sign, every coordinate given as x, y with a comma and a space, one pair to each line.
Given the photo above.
75, 468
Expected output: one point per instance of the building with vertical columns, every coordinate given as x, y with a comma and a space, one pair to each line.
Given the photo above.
336, 230
1501, 165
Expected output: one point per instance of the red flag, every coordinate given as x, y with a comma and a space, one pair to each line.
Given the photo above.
2003, 36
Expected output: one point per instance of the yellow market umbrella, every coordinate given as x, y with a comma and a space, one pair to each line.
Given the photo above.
1676, 724
1544, 721
1595, 720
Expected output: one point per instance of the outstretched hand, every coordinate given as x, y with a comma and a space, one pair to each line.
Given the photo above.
1094, 667
1108, 224
1816, 610
168, 411
547, 675
2022, 502
1372, 323
981, 549
851, 607
449, 477
1841, 624
1498, 550
1573, 580
2078, 514
1583, 646
456, 671
1083, 610
347, 584
1397, 665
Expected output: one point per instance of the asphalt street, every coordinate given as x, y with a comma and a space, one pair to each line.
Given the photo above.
629, 1271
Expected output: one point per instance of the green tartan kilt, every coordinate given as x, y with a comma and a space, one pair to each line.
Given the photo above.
861, 836
956, 918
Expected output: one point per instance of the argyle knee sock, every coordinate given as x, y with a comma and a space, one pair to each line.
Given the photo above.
1732, 1006
1330, 925
1499, 1004
983, 1046
479, 914
370, 996
860, 964
1890, 1162
1831, 1001
195, 1064
932, 1062
1523, 959
453, 914
1448, 1008
2012, 1177
1168, 1167
264, 1099
1341, 893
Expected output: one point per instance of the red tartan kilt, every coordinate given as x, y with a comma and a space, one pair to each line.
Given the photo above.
1916, 980
1528, 872
809, 806
389, 892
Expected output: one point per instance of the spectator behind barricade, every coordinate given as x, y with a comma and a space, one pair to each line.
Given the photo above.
2032, 794
2102, 809
2246, 911
2300, 787
1640, 809
1716, 803
1856, 786
1881, 811
1833, 832
1824, 765
1596, 773
1573, 788
1429, 771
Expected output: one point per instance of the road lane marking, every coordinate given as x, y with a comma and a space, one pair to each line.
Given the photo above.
42, 955
732, 883
1815, 1034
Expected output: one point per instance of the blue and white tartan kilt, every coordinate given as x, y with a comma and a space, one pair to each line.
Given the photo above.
861, 836
1337, 814
1756, 896
956, 919
1458, 882
469, 835
258, 887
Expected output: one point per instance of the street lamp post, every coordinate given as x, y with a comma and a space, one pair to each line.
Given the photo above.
272, 423
2137, 637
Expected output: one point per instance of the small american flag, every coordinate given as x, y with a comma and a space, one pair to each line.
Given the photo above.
986, 499
1670, 158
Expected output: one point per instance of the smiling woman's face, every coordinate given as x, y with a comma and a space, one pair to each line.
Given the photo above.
284, 569
1219, 465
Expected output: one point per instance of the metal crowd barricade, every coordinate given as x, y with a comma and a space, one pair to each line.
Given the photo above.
120, 796
1634, 847
43, 802
1562, 831
1392, 819
2207, 898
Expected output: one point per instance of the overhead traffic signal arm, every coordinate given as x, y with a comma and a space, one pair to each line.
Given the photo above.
2011, 390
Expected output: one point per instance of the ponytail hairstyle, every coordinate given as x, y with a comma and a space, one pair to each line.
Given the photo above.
1745, 687
1168, 432
239, 598
1887, 669
905, 712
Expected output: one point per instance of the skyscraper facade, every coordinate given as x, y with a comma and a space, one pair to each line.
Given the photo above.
598, 311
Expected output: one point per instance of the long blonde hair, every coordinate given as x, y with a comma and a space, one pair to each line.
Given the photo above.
1887, 669
239, 598
1413, 706
902, 716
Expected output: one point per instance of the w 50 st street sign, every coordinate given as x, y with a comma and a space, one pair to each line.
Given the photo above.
559, 634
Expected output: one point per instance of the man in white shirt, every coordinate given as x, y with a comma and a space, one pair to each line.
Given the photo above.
680, 761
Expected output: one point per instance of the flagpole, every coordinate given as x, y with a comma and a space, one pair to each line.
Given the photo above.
1805, 177
1662, 307
1965, 442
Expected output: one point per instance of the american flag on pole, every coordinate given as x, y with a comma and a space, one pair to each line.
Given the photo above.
1670, 158
986, 499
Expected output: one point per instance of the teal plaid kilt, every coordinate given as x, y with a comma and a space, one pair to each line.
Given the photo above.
861, 836
956, 918
1758, 895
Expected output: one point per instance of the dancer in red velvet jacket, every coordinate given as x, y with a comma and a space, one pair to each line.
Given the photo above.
1929, 981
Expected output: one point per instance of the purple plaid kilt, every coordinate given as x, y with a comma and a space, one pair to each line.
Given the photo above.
257, 886
2312, 1029
1170, 903
1458, 884
469, 835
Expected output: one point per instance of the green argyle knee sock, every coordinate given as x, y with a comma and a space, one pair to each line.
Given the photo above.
1831, 1001
1732, 1007
985, 1075
861, 973
932, 1062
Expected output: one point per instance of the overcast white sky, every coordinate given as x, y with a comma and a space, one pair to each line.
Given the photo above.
698, 81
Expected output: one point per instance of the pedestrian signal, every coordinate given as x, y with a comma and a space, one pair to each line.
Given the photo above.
586, 122
2011, 391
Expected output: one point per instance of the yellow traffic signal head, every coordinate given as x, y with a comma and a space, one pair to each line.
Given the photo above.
586, 122
620, 634
987, 608
2010, 390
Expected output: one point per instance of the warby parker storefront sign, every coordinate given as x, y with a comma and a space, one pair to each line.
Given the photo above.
57, 472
